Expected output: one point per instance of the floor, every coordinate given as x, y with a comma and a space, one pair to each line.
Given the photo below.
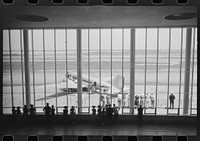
104, 130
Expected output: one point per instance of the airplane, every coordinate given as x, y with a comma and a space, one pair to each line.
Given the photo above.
110, 88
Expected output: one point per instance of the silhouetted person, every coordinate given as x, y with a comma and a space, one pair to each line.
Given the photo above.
52, 113
171, 98
65, 114
65, 111
99, 113
115, 111
32, 112
103, 116
93, 113
18, 111
137, 100
142, 100
109, 113
47, 111
140, 114
14, 111
25, 111
93, 110
152, 100
73, 112
106, 109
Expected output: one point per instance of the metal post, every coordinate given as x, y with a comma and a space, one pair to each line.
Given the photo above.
122, 69
33, 68
79, 73
11, 72
89, 66
66, 35
181, 52
158, 35
100, 95
168, 81
191, 98
22, 66
26, 65
111, 64
132, 71
44, 69
187, 70
1, 72
145, 70
55, 60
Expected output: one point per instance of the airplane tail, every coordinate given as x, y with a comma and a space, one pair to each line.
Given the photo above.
117, 82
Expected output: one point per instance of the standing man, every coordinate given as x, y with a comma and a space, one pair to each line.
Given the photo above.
152, 100
140, 115
47, 110
171, 98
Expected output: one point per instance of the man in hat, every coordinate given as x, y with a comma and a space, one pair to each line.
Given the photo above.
171, 98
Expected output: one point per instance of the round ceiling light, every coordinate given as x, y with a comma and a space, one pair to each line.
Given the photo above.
32, 18
181, 16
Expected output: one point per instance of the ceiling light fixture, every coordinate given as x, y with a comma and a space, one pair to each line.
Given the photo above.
181, 16
32, 18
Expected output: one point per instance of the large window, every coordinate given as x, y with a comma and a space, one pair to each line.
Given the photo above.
105, 64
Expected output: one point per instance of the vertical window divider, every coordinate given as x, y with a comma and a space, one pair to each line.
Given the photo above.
44, 63
180, 83
100, 65
145, 73
11, 73
111, 62
33, 68
122, 69
168, 70
66, 35
55, 70
192, 70
89, 67
22, 69
158, 35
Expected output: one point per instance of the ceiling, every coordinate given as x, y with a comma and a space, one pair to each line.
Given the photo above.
96, 16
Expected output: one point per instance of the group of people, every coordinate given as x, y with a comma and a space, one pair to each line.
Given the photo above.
26, 111
105, 114
49, 112
146, 101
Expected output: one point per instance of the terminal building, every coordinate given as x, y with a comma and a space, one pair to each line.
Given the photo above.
96, 55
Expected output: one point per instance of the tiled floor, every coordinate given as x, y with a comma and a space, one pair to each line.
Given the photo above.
91, 129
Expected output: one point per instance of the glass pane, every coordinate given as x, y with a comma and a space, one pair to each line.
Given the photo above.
39, 68
175, 53
140, 67
85, 71
163, 71
126, 69
151, 69
94, 58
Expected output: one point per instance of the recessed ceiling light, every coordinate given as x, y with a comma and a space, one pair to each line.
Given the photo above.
181, 16
32, 18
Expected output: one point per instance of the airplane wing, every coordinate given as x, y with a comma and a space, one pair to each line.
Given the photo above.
55, 95
63, 88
